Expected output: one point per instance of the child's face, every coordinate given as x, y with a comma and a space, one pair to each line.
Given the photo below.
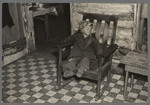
87, 29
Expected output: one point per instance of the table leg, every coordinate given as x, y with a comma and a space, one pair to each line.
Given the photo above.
126, 82
46, 26
132, 80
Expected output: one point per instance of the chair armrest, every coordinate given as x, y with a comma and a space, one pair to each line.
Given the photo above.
110, 50
62, 45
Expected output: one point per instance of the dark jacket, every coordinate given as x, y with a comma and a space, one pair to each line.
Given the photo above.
84, 47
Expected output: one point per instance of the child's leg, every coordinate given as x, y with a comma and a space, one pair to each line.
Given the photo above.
94, 64
69, 66
83, 65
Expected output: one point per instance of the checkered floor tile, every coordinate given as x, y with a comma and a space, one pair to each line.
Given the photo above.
32, 80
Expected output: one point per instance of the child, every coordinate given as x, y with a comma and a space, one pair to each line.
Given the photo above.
84, 51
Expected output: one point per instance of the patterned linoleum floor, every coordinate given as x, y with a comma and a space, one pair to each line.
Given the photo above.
32, 79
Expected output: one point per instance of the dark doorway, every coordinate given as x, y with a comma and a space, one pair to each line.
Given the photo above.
59, 27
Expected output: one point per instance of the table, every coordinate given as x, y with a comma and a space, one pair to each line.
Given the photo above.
134, 63
37, 11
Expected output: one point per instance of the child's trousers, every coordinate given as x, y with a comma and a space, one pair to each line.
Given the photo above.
79, 63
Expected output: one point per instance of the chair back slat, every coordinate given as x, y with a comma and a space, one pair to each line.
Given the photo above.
98, 30
105, 34
113, 36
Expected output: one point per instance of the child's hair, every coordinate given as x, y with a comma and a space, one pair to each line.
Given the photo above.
82, 24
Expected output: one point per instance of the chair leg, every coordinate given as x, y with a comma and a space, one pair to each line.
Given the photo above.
98, 87
58, 85
98, 90
108, 76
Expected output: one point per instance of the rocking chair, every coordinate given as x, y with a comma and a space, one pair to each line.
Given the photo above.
104, 59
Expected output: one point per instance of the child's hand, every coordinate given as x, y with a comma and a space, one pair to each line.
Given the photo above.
70, 59
62, 42
63, 49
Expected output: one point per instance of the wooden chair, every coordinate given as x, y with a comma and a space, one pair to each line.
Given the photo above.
104, 59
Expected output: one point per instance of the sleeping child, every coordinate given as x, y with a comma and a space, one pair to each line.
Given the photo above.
84, 52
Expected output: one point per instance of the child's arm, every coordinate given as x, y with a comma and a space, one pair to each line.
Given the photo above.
71, 38
97, 47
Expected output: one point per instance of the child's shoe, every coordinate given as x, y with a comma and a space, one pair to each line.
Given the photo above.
68, 73
80, 72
